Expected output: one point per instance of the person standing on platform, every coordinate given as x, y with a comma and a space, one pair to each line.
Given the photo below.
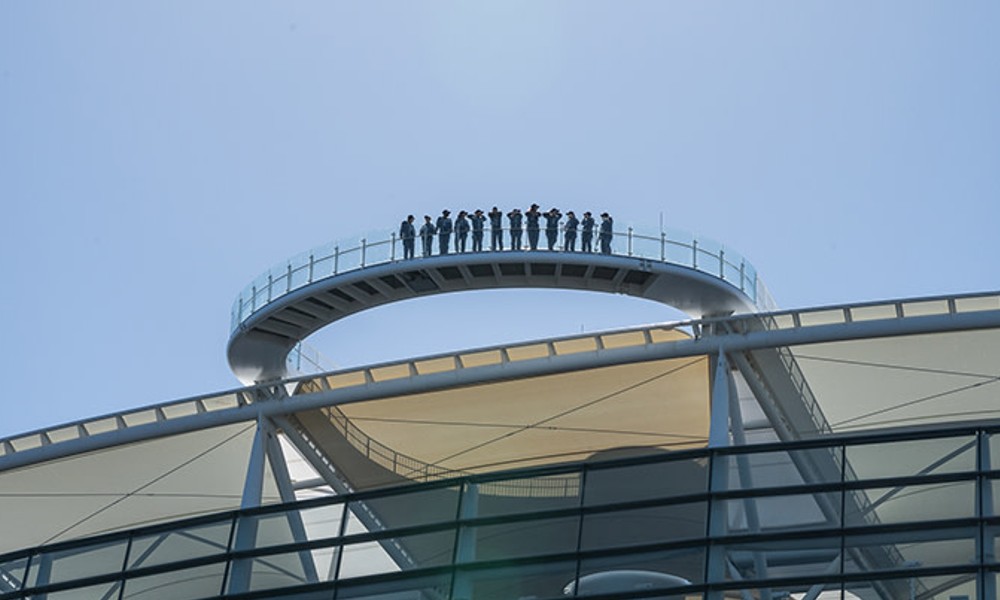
408, 234
496, 229
607, 232
461, 231
427, 232
570, 236
443, 226
587, 224
552, 218
515, 217
532, 216
477, 230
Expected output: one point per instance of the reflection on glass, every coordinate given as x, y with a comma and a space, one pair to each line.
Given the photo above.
188, 584
77, 563
545, 580
654, 525
180, 544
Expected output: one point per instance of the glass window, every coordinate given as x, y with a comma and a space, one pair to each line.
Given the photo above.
909, 504
911, 548
282, 570
434, 586
917, 457
658, 524
188, 584
525, 538
687, 564
406, 510
12, 574
273, 529
77, 563
398, 554
646, 481
950, 587
529, 494
181, 544
780, 469
797, 557
536, 580
801, 511
103, 590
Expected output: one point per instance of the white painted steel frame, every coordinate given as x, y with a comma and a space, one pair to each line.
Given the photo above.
729, 335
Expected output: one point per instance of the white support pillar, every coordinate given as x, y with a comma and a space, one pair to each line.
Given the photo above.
465, 546
276, 458
746, 478
986, 582
718, 428
246, 527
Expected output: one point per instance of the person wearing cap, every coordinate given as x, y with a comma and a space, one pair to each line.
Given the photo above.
531, 216
607, 233
552, 218
587, 236
461, 231
408, 234
427, 232
477, 220
443, 226
515, 217
569, 236
496, 229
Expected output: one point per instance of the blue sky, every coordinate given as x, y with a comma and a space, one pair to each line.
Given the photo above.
157, 156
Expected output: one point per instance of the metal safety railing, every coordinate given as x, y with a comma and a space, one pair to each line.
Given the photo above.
671, 247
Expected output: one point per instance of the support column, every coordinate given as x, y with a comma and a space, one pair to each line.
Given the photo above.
276, 458
718, 427
986, 582
465, 544
246, 527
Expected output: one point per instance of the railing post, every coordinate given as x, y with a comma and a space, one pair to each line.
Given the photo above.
253, 299
694, 249
239, 315
663, 247
364, 250
630, 241
312, 266
336, 259
288, 287
270, 286
392, 248
722, 263
743, 275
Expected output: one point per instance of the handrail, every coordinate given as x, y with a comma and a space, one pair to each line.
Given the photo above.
673, 247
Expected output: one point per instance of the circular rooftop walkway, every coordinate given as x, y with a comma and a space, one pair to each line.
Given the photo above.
287, 304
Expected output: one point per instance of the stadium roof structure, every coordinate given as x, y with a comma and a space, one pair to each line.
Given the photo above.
719, 382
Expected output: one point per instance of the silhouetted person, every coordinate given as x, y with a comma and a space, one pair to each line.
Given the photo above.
427, 231
496, 229
408, 234
587, 224
461, 231
607, 233
532, 216
516, 227
570, 236
552, 227
477, 220
444, 231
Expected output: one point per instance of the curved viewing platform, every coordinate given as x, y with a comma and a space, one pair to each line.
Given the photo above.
298, 297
